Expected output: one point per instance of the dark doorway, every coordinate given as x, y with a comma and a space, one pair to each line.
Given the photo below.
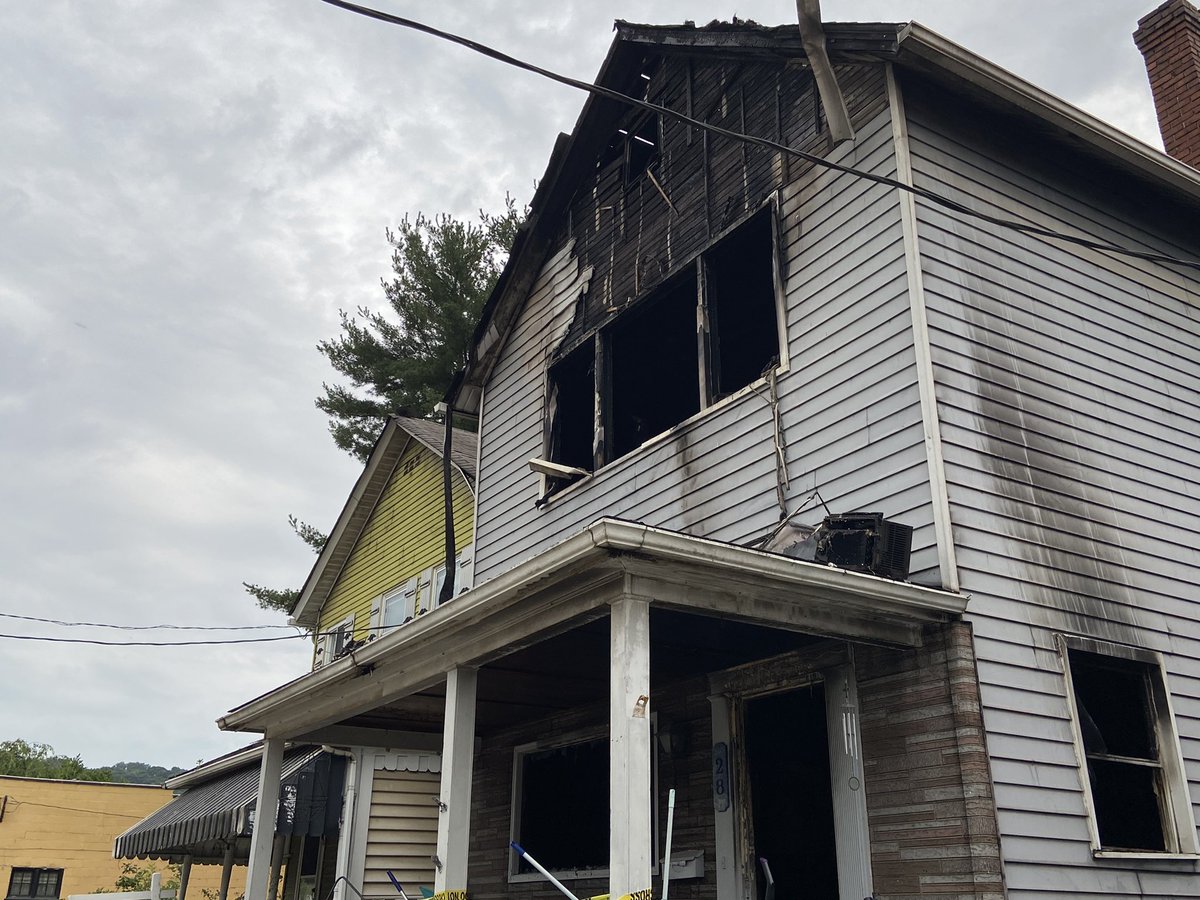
787, 759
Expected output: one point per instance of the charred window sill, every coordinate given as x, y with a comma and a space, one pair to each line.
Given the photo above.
631, 458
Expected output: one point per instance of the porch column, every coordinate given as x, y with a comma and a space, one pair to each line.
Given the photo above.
263, 838
185, 871
458, 759
226, 871
630, 854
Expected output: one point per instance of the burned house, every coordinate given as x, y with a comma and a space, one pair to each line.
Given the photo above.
709, 363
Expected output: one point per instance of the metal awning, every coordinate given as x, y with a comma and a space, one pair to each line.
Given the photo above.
211, 815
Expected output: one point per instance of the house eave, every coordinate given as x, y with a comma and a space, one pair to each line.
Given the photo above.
577, 578
923, 49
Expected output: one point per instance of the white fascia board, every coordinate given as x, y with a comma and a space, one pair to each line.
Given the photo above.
595, 544
955, 59
208, 770
306, 613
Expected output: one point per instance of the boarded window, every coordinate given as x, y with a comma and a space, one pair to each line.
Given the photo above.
1121, 727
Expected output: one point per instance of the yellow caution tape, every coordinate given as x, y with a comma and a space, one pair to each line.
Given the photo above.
450, 895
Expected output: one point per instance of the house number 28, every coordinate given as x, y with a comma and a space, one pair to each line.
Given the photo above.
721, 776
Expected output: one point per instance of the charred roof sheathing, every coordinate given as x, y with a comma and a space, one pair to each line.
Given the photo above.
909, 45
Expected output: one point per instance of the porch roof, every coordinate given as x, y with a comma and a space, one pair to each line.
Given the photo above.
573, 582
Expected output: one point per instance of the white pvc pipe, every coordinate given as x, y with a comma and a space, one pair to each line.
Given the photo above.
666, 872
537, 865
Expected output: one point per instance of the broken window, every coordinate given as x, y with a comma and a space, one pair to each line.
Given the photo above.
562, 801
739, 290
654, 372
571, 405
659, 364
1134, 775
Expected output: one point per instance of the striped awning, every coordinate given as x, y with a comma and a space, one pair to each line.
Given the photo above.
220, 811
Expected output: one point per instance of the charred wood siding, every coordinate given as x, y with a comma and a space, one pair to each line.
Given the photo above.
1068, 387
849, 403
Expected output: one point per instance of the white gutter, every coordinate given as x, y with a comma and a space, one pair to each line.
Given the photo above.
596, 543
928, 45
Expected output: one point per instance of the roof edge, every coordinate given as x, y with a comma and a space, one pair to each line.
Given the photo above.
951, 57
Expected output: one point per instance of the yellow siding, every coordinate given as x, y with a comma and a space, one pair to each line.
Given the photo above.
404, 536
71, 825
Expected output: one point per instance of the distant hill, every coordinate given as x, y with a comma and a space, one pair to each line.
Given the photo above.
142, 773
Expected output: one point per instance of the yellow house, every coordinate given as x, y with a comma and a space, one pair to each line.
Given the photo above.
384, 562
383, 567
56, 837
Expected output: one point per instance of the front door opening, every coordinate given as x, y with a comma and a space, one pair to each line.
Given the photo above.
791, 800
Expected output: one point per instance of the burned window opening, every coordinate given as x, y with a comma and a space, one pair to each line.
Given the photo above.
739, 289
571, 407
563, 797
710, 330
1117, 720
654, 373
635, 145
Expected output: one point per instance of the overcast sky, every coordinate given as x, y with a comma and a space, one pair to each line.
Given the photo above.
189, 192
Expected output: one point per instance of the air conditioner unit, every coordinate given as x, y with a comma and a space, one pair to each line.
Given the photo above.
865, 542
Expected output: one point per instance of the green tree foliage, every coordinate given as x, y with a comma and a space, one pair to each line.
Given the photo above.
26, 759
283, 599
403, 359
137, 878
141, 773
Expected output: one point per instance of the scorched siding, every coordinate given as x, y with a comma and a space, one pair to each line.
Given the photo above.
1068, 387
849, 402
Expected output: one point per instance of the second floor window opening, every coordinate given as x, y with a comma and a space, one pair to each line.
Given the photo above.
708, 331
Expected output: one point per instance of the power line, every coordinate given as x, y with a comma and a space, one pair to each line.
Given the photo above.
925, 194
203, 643
99, 812
140, 627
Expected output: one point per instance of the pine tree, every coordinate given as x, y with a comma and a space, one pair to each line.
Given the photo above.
402, 359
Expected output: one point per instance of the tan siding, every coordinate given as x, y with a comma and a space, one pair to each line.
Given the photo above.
402, 835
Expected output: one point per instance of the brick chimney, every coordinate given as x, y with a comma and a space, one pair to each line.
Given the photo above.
1169, 39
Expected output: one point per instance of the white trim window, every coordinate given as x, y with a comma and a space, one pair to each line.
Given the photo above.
1130, 763
560, 805
333, 642
399, 605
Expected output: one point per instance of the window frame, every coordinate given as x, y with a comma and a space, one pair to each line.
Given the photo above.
520, 751
36, 873
1176, 815
708, 402
325, 653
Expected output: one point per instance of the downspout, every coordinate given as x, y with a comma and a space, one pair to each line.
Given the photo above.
812, 35
447, 489
346, 835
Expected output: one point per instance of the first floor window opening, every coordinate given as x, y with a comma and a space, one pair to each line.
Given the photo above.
562, 799
34, 884
1134, 776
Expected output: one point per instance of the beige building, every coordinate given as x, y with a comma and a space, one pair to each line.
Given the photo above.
56, 837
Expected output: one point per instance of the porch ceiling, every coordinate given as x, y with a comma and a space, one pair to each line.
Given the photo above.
559, 592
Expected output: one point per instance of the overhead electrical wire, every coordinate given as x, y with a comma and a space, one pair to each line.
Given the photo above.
5, 615
201, 643
923, 193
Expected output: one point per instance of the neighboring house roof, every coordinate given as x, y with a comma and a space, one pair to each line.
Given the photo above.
399, 433
909, 45
211, 813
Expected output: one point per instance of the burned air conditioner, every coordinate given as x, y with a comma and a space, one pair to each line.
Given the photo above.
865, 542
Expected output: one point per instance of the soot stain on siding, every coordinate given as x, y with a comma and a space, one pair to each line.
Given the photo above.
1063, 529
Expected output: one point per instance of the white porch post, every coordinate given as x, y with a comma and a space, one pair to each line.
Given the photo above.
629, 841
458, 759
263, 838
